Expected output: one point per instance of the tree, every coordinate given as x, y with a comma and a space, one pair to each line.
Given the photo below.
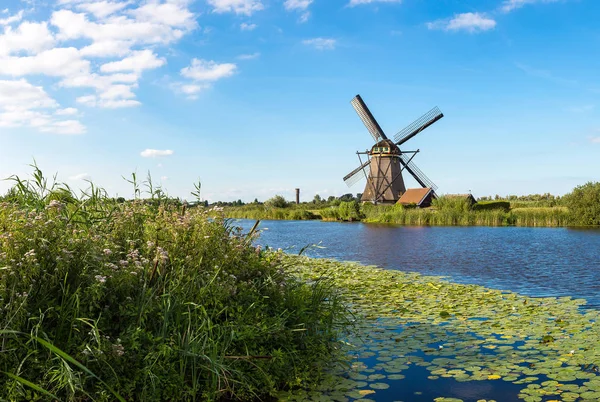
278, 202
317, 200
584, 204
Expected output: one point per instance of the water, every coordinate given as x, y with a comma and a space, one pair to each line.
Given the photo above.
532, 261
536, 262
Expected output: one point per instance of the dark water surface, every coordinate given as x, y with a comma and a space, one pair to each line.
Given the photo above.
530, 261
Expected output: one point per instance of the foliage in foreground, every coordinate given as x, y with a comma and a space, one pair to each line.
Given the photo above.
147, 301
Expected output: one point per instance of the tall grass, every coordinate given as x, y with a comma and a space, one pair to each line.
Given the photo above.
548, 217
140, 300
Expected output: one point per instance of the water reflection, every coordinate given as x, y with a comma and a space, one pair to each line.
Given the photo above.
531, 261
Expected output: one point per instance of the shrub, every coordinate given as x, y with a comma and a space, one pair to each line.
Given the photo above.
349, 211
584, 204
277, 202
452, 203
491, 205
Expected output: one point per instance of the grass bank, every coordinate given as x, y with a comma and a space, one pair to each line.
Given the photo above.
145, 300
397, 214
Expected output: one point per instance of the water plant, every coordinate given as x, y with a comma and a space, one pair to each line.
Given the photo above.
539, 349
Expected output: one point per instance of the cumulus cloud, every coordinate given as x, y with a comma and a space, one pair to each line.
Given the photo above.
205, 70
66, 112
25, 105
154, 153
246, 7
137, 62
28, 37
202, 73
12, 19
470, 22
321, 43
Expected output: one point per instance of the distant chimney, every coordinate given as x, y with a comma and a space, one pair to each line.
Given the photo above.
297, 196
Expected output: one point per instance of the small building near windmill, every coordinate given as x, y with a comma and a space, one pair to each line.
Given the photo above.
421, 197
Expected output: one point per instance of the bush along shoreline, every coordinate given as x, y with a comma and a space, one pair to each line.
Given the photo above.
148, 301
581, 207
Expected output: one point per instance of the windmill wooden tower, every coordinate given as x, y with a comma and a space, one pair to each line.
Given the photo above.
386, 161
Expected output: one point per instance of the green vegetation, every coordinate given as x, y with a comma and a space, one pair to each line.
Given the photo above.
149, 300
581, 207
584, 204
548, 348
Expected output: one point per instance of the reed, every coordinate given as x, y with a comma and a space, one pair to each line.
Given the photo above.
148, 300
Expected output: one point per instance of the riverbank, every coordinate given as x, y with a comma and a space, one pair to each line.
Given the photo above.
521, 216
439, 334
151, 301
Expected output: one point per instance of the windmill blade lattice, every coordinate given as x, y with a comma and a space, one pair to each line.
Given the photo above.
354, 176
367, 118
418, 125
419, 176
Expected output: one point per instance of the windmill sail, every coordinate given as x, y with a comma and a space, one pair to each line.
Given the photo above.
418, 125
367, 118
419, 176
354, 176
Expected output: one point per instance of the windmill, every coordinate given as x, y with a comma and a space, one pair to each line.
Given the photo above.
386, 161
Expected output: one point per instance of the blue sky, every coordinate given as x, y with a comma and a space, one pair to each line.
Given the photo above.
252, 97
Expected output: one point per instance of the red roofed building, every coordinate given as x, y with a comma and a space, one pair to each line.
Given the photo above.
421, 197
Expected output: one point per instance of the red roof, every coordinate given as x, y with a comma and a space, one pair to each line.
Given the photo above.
414, 196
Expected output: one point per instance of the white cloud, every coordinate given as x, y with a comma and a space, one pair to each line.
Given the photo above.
247, 27
102, 9
249, 56
28, 37
470, 22
246, 7
595, 140
202, 73
66, 112
297, 4
152, 29
510, 5
108, 48
321, 43
25, 105
80, 176
358, 2
137, 62
20, 94
204, 70
12, 19
55, 62
153, 153
170, 14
